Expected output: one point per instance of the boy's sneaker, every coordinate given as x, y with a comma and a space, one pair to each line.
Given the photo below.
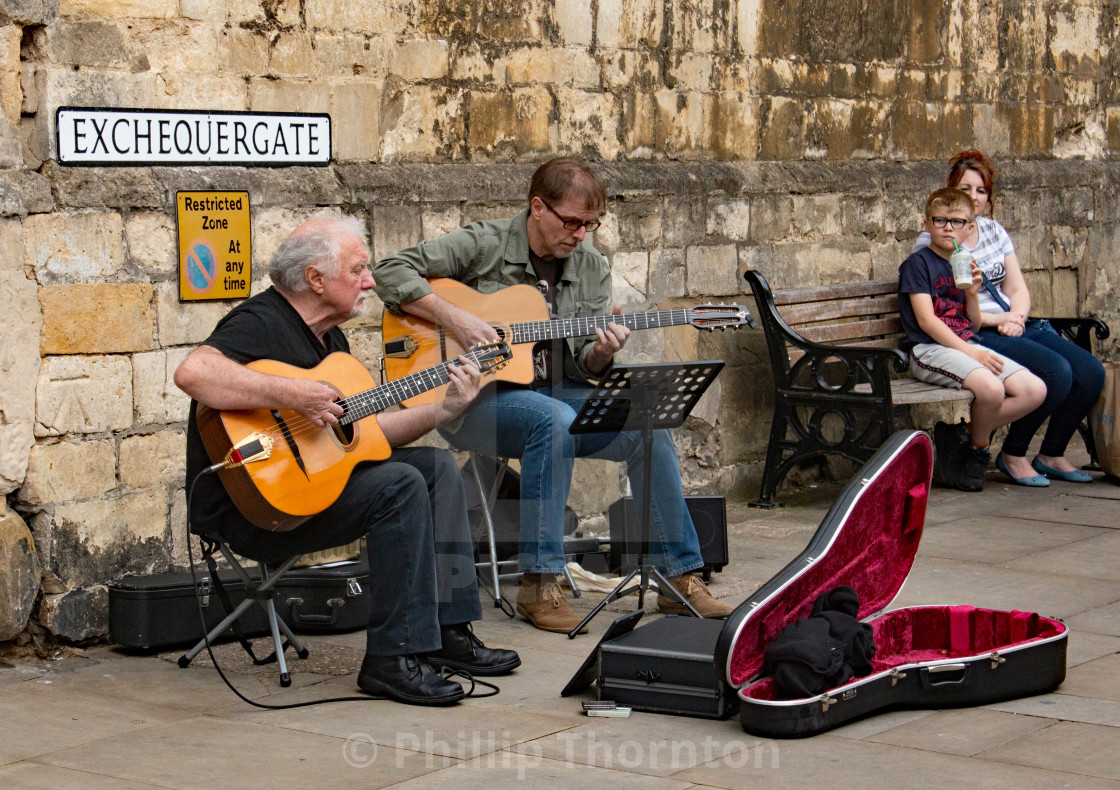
975, 466
950, 446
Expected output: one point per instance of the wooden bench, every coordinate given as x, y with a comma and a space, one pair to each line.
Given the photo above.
839, 374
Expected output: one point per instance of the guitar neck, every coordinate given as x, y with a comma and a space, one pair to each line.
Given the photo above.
375, 400
536, 331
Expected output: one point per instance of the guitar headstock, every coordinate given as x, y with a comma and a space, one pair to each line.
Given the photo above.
720, 316
490, 355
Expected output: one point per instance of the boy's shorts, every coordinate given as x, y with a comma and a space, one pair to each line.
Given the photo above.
946, 367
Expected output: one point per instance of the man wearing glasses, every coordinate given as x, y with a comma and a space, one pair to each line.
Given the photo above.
545, 246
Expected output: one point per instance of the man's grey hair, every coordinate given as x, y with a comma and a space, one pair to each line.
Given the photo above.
315, 243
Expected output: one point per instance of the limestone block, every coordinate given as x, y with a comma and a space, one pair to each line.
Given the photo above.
177, 524
93, 318
203, 9
157, 398
390, 18
734, 126
184, 323
595, 485
421, 123
683, 222
122, 188
66, 471
395, 228
681, 124
469, 64
607, 238
77, 615
100, 540
515, 123
574, 21
159, 9
630, 23
11, 88
781, 129
29, 12
666, 274
178, 46
20, 575
529, 65
155, 459
355, 107
748, 17
1075, 43
771, 218
783, 265
86, 394
630, 299
73, 247
151, 242
1068, 247
1065, 294
11, 146
421, 59
639, 224
633, 267
85, 42
11, 246
61, 86
436, 221
188, 91
20, 323
729, 219
366, 346
588, 121
639, 125
817, 215
23, 192
712, 271
350, 54
575, 67
243, 52
293, 54
693, 71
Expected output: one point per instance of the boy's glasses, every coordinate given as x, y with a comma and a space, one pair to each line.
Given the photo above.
956, 223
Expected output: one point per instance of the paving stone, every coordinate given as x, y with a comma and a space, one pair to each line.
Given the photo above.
1099, 679
997, 540
873, 725
180, 755
35, 776
1094, 557
1065, 707
509, 769
1100, 620
1068, 508
965, 732
802, 763
1072, 747
1086, 646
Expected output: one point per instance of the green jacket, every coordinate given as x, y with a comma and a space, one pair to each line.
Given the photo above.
492, 255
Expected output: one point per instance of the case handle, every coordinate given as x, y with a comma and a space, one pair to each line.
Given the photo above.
335, 604
944, 675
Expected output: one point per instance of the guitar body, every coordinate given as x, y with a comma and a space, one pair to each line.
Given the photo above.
275, 492
431, 344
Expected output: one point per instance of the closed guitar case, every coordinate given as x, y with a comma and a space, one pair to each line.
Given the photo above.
159, 610
938, 656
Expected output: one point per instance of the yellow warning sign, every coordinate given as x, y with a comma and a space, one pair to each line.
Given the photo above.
214, 245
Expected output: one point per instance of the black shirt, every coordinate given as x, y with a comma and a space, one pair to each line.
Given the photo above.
263, 327
548, 275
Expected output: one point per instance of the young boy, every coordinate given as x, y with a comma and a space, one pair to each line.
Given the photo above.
939, 320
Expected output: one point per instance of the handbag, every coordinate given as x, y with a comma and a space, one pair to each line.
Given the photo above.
1032, 323
1102, 419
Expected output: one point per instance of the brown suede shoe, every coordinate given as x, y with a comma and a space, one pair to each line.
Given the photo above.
696, 593
541, 603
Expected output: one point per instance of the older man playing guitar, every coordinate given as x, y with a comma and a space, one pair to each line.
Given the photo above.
410, 507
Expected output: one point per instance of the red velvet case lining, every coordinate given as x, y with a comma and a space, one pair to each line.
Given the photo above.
937, 633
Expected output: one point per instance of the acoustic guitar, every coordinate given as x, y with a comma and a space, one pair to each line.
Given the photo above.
281, 469
519, 314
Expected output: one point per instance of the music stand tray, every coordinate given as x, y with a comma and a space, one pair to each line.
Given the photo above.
643, 398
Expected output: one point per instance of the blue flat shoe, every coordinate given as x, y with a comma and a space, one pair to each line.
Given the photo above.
1076, 476
1037, 481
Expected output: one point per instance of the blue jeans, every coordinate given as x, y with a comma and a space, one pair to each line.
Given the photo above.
1073, 379
533, 426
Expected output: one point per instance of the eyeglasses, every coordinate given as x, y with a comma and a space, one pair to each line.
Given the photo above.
956, 222
571, 223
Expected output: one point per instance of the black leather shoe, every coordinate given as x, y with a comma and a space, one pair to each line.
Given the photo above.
462, 650
406, 679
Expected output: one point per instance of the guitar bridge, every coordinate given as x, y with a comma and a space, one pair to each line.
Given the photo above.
254, 447
401, 347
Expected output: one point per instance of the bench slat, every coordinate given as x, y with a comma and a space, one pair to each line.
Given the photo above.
853, 330
822, 293
796, 315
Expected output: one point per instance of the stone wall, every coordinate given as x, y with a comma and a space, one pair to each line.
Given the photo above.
797, 137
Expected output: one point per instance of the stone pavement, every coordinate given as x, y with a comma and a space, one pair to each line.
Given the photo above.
105, 719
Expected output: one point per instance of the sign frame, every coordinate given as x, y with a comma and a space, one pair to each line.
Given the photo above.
218, 256
239, 129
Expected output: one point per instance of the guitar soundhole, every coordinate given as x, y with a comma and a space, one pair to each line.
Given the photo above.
501, 332
344, 433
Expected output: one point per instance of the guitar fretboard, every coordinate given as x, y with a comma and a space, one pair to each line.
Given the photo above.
536, 331
372, 401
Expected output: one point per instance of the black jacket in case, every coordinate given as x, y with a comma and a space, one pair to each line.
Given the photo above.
926, 656
159, 610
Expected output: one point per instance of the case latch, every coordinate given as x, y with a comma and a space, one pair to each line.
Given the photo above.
353, 588
204, 590
996, 659
896, 675
647, 676
827, 702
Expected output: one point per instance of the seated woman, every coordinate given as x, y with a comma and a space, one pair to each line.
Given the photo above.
1073, 376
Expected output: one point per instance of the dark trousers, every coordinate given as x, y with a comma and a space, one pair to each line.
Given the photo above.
1073, 379
413, 513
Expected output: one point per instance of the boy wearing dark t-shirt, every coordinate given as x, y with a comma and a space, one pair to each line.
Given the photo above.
940, 320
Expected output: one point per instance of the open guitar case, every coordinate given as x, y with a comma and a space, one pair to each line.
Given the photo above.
936, 656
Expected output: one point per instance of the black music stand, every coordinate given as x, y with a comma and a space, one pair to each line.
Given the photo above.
643, 398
